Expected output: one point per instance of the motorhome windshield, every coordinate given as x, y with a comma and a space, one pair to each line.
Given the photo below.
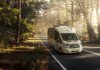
69, 36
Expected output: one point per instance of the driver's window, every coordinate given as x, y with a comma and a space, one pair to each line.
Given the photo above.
57, 36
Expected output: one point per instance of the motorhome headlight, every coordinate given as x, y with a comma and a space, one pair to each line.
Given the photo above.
66, 45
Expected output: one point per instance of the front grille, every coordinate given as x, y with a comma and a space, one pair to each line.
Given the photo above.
74, 46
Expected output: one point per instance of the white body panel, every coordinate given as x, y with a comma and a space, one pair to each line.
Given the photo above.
59, 43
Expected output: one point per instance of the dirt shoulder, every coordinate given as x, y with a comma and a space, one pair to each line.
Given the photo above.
32, 55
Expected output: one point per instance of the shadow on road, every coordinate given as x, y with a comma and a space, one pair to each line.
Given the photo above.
25, 58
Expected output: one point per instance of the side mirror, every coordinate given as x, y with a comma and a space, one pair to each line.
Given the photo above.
58, 40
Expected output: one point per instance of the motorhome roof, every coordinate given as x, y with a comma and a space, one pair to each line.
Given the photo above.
65, 29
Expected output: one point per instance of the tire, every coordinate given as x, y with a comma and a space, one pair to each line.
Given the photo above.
61, 51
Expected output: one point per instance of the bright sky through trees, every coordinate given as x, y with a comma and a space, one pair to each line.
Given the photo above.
94, 18
47, 0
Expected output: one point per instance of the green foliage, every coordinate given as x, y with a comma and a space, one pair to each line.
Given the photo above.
31, 10
7, 23
26, 10
39, 5
2, 4
9, 20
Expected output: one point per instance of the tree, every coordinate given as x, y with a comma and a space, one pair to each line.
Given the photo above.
92, 35
7, 22
98, 17
12, 27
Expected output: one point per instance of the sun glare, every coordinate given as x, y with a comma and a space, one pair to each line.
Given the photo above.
47, 0
94, 18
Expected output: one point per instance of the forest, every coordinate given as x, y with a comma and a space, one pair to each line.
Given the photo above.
21, 19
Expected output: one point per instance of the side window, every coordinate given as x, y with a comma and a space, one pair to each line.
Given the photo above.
57, 37
50, 34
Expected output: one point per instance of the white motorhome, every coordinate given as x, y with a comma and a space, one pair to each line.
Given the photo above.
64, 39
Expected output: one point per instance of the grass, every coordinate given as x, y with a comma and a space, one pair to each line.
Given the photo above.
30, 55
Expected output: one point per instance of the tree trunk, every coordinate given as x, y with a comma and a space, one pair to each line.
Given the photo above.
91, 12
18, 23
98, 19
72, 14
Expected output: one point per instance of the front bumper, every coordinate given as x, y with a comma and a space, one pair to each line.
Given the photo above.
72, 50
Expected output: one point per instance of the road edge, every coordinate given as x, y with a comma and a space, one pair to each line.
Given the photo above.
63, 67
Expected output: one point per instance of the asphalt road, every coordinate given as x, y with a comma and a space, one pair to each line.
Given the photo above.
89, 59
